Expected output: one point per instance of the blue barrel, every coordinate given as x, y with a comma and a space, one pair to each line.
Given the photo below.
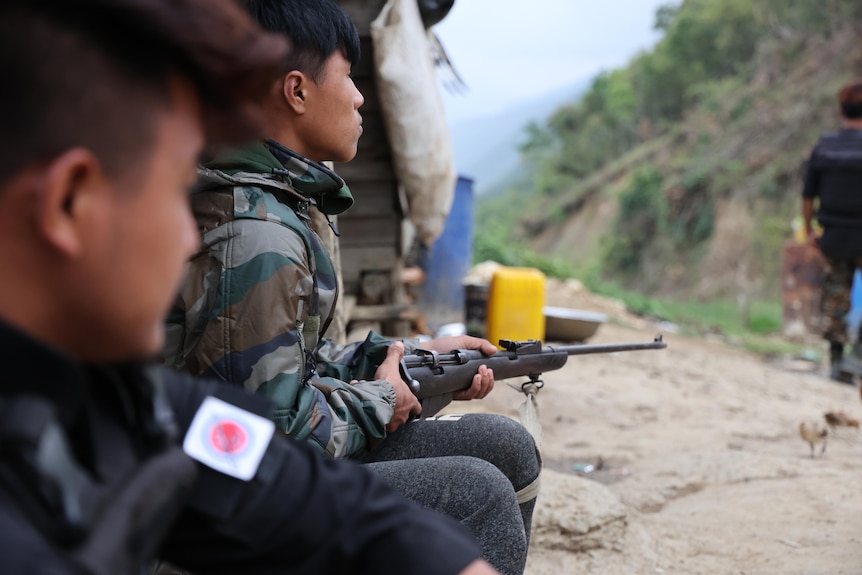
447, 261
854, 316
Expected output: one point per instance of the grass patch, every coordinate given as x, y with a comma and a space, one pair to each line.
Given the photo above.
701, 317
754, 327
772, 346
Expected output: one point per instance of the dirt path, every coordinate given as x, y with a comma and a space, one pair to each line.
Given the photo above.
700, 443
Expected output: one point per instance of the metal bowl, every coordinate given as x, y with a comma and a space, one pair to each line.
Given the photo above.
567, 324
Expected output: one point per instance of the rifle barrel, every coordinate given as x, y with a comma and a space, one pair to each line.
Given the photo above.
463, 356
658, 343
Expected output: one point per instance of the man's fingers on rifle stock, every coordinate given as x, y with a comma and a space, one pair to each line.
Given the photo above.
406, 404
480, 387
406, 407
480, 344
487, 347
447, 344
395, 351
487, 380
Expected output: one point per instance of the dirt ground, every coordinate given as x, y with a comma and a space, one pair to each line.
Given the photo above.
700, 443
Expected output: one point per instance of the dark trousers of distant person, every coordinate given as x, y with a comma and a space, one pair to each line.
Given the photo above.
834, 306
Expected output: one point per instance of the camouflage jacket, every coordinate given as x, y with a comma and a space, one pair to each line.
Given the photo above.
261, 292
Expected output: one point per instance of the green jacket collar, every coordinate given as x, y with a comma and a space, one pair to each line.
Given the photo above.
309, 178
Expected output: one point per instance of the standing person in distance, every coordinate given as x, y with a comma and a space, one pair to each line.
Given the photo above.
834, 177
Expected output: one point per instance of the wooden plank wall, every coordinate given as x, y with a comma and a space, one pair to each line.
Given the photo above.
371, 231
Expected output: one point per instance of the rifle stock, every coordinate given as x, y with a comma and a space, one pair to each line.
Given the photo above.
435, 376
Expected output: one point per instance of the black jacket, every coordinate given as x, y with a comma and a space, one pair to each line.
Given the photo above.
834, 174
300, 513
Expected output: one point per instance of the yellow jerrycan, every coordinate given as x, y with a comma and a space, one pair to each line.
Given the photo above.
516, 297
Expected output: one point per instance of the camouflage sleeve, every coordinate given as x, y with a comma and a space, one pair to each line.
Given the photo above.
245, 301
357, 360
337, 353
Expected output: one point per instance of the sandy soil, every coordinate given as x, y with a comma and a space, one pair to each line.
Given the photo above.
700, 442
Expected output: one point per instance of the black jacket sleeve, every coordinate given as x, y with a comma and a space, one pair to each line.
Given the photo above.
304, 513
23, 550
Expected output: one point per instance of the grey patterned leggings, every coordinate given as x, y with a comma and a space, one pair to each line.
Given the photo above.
481, 469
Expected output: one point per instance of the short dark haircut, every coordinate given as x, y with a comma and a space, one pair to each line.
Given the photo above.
850, 98
315, 29
93, 73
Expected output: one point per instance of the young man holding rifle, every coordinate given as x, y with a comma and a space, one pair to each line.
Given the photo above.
261, 291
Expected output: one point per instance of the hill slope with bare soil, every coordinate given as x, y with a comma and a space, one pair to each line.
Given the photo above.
679, 176
739, 155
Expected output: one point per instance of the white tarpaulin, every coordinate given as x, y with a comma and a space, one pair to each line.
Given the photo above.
414, 116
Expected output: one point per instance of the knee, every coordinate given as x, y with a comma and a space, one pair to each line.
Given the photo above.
514, 447
481, 483
520, 440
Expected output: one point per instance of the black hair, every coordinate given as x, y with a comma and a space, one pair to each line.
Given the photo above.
850, 99
92, 74
315, 29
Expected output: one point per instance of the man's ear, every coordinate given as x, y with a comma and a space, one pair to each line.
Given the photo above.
71, 185
295, 89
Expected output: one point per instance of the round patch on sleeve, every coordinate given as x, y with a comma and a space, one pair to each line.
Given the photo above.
228, 439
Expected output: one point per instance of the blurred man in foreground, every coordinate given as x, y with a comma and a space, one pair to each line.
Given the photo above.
106, 461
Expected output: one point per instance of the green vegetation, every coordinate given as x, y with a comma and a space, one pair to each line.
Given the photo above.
722, 317
643, 213
752, 327
487, 248
683, 168
776, 347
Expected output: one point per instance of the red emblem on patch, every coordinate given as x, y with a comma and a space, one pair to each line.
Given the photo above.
227, 437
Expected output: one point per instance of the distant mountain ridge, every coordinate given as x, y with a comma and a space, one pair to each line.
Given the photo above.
486, 147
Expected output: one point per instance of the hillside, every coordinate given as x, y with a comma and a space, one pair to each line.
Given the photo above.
489, 165
679, 175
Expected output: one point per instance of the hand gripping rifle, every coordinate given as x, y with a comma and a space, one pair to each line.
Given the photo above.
435, 377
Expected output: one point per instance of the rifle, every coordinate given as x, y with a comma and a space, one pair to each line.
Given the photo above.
434, 377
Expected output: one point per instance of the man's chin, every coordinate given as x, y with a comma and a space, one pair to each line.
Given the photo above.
350, 154
144, 349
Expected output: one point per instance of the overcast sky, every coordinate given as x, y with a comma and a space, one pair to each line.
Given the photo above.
508, 52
